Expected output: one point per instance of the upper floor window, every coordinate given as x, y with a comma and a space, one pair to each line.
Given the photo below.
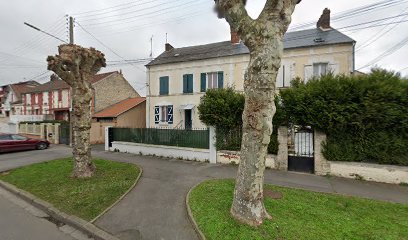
212, 80
188, 83
164, 85
320, 69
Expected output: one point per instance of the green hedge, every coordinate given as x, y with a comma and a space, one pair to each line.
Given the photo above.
365, 117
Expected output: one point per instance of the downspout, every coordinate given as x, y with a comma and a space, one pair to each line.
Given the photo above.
148, 98
354, 57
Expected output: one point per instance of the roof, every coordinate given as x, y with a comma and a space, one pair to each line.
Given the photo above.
119, 108
60, 84
298, 39
22, 87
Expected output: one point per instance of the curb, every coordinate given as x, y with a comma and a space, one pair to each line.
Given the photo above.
121, 198
190, 215
73, 221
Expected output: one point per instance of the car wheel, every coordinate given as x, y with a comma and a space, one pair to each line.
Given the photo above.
41, 146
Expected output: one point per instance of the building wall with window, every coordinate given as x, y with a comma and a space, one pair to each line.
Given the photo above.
177, 87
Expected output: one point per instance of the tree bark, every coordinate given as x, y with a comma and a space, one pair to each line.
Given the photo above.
264, 38
77, 66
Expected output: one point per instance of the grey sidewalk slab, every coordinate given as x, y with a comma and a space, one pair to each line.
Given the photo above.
17, 223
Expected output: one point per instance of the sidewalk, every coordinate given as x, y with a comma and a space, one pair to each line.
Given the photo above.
155, 209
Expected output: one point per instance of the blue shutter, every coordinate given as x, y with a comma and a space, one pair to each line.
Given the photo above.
203, 82
220, 79
185, 83
156, 114
170, 114
164, 85
190, 82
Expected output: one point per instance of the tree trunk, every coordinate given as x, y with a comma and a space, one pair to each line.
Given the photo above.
77, 66
81, 125
248, 206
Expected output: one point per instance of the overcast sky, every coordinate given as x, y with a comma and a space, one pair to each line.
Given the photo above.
125, 28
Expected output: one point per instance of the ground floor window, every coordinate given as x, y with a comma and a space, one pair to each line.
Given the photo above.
163, 114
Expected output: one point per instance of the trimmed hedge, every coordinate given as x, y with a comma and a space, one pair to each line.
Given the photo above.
365, 117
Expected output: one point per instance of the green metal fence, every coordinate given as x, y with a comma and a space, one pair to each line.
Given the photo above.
229, 139
192, 138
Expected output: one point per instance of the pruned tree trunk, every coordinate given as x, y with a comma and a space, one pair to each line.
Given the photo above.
77, 66
264, 38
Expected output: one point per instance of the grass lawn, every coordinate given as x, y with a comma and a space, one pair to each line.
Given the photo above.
299, 215
86, 199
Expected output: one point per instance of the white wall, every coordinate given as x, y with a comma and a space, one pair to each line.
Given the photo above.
162, 151
370, 172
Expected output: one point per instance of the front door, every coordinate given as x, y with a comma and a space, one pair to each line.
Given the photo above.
188, 119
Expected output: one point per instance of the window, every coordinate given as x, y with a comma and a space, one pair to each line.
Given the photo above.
5, 137
320, 69
18, 138
163, 114
164, 85
188, 83
212, 80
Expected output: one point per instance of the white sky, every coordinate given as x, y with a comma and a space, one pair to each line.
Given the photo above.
127, 30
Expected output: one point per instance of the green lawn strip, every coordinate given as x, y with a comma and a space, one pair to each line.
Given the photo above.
298, 215
85, 198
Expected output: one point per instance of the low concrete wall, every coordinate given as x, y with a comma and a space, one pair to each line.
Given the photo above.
370, 172
194, 154
233, 157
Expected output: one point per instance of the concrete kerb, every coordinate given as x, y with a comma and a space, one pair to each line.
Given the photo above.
75, 222
120, 199
190, 214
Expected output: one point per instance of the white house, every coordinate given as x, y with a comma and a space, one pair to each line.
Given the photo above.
179, 77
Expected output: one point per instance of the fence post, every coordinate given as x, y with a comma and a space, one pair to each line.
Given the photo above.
322, 166
56, 133
282, 157
42, 131
213, 148
107, 138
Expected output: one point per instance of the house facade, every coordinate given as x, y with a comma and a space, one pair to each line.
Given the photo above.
11, 97
179, 77
53, 98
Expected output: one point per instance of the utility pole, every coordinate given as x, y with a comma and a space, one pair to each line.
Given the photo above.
71, 30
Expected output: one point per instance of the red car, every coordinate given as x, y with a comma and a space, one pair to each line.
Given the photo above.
15, 142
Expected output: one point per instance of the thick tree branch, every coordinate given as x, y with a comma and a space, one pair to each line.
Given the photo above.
236, 15
278, 13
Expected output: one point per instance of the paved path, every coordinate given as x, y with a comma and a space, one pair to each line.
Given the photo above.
155, 208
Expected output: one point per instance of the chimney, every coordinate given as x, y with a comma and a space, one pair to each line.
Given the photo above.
54, 77
324, 20
168, 47
235, 37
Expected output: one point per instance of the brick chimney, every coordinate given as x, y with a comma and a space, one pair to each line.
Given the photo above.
54, 77
168, 47
235, 39
324, 20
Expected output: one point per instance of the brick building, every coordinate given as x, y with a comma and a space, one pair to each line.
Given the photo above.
54, 97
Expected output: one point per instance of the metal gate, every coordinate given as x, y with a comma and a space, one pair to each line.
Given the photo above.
301, 158
64, 134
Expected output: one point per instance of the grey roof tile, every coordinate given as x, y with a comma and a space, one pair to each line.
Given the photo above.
298, 39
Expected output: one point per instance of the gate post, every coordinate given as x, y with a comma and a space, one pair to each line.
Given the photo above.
107, 141
282, 157
322, 166
213, 148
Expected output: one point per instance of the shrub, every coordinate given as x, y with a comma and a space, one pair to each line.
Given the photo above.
365, 117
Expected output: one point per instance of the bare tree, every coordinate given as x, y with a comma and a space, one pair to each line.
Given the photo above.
77, 66
264, 38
